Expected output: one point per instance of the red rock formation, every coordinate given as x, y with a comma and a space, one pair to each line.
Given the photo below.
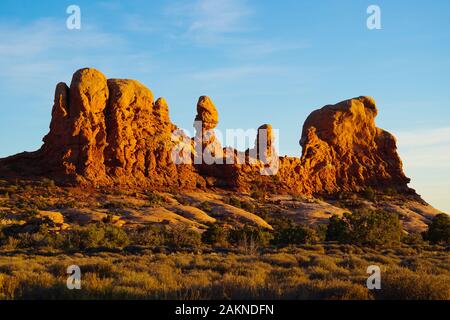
111, 132
207, 148
106, 132
343, 150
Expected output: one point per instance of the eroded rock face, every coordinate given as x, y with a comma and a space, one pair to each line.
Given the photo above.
112, 132
343, 150
77, 138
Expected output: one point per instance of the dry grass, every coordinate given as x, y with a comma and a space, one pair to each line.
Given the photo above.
305, 272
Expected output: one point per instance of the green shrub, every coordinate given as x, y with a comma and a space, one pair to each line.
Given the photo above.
368, 227
248, 206
259, 236
439, 230
370, 194
413, 238
258, 195
151, 235
337, 229
206, 206
215, 235
295, 235
181, 237
233, 201
113, 205
154, 199
93, 236
39, 237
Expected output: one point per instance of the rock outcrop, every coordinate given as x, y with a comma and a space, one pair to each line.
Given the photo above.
106, 132
343, 150
112, 133
207, 147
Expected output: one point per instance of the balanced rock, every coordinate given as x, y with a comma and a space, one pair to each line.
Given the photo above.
207, 147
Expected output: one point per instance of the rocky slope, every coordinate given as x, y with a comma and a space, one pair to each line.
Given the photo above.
112, 133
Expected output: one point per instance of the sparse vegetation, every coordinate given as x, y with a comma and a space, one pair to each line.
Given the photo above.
367, 227
302, 272
296, 234
207, 260
439, 230
154, 199
215, 235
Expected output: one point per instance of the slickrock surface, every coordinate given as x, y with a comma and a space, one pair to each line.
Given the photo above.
112, 132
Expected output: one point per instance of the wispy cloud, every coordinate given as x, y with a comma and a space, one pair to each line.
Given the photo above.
228, 24
44, 51
425, 148
209, 21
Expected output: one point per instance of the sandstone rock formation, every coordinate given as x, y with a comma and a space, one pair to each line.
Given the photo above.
106, 132
207, 147
112, 133
343, 150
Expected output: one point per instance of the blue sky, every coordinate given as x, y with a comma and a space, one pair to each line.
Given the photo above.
260, 61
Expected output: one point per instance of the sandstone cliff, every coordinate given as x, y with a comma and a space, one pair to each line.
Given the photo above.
112, 133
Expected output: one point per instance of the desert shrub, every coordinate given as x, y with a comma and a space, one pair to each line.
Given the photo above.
250, 233
402, 283
321, 231
262, 212
296, 234
206, 206
413, 238
12, 238
368, 227
151, 235
154, 199
233, 201
370, 194
281, 222
258, 195
332, 290
249, 239
280, 259
215, 235
113, 205
92, 236
248, 206
29, 213
181, 237
439, 230
337, 229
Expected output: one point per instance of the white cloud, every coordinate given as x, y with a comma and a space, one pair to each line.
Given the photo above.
425, 148
424, 138
207, 21
44, 51
227, 24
